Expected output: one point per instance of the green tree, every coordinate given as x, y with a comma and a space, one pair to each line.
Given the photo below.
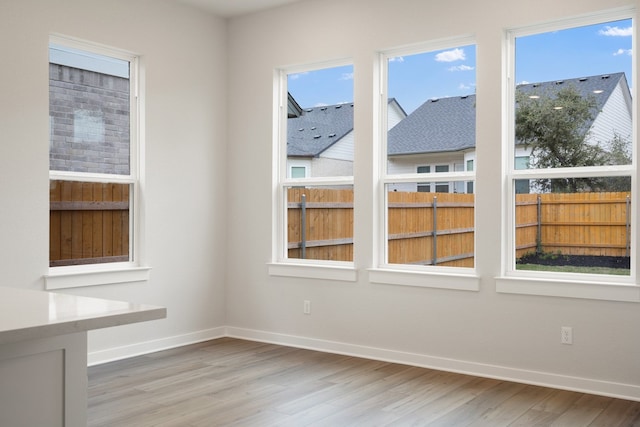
618, 152
555, 127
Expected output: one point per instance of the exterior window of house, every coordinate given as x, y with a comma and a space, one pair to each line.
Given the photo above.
298, 172
93, 156
315, 201
428, 217
570, 187
424, 187
470, 183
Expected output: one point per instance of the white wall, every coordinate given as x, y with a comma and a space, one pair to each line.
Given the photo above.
500, 334
183, 59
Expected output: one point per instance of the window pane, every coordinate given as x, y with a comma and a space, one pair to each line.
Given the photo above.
431, 119
89, 112
320, 223
89, 222
412, 218
576, 110
298, 171
431, 112
558, 229
320, 121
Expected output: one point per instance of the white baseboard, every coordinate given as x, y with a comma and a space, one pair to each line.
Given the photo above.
146, 347
564, 382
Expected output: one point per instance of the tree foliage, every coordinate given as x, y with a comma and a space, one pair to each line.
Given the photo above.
555, 127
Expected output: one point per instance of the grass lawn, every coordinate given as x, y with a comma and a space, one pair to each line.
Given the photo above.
574, 269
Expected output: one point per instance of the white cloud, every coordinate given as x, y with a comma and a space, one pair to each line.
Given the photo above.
456, 54
616, 31
397, 59
461, 68
346, 76
622, 52
321, 104
297, 75
463, 86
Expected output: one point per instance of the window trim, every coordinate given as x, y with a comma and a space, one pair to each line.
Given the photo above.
454, 278
280, 264
62, 277
570, 285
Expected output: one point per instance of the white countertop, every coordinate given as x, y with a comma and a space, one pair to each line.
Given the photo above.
29, 314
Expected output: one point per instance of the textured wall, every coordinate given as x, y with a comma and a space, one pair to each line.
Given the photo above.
89, 115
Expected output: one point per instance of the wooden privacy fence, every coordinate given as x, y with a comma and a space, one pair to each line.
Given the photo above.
320, 225
574, 223
89, 223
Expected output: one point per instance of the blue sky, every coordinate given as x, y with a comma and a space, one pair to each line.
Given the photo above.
584, 51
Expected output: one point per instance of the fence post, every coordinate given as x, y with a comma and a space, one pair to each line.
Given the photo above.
303, 226
435, 230
628, 224
539, 232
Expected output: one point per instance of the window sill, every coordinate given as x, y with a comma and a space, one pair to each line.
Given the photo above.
76, 278
313, 271
453, 281
568, 289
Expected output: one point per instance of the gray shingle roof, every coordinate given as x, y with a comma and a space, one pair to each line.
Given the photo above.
448, 124
318, 129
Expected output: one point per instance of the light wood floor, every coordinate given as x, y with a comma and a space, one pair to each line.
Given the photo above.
230, 382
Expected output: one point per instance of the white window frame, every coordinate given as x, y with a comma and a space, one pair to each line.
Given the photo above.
118, 272
589, 286
280, 264
455, 278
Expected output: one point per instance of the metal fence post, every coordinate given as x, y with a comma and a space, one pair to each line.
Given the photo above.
435, 231
539, 232
303, 226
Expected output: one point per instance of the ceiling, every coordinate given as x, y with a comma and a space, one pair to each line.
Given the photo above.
231, 8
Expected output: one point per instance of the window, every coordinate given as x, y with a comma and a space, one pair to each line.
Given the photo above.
570, 152
428, 220
315, 180
93, 150
298, 172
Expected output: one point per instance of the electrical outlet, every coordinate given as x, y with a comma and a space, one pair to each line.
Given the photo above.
566, 335
306, 307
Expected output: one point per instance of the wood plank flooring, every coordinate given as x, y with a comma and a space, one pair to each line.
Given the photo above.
231, 382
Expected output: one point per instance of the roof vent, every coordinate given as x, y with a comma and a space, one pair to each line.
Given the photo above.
331, 135
338, 106
300, 130
583, 79
323, 108
464, 96
536, 84
559, 82
309, 110
313, 128
434, 100
316, 136
605, 77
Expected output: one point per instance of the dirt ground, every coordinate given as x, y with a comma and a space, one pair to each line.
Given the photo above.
575, 260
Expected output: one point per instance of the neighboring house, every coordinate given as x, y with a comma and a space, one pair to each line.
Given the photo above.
320, 139
439, 136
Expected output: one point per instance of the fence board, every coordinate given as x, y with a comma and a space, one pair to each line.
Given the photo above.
89, 222
573, 224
